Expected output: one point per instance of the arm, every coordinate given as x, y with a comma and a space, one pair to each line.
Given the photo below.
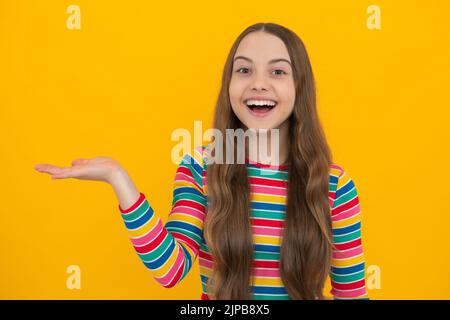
347, 266
170, 250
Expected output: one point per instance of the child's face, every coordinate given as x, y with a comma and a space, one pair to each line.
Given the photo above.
256, 77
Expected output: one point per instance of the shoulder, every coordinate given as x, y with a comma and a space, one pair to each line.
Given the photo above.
195, 159
339, 176
193, 166
341, 186
335, 172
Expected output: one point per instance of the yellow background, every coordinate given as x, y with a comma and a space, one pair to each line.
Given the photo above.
136, 71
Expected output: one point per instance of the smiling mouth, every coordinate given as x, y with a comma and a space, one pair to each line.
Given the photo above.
262, 108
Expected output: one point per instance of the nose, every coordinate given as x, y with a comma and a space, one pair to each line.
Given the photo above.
255, 88
259, 82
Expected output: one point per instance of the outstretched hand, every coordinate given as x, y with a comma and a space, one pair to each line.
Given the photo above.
97, 169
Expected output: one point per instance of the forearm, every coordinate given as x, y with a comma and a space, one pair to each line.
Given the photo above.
167, 250
124, 188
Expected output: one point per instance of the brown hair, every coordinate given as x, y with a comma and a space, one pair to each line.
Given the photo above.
306, 246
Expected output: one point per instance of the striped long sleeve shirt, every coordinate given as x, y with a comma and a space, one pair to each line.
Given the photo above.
170, 250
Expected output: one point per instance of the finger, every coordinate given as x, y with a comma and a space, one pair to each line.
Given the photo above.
47, 168
63, 173
79, 161
40, 166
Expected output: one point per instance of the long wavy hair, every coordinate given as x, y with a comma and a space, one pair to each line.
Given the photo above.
306, 246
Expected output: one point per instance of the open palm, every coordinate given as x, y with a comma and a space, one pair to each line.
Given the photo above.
98, 169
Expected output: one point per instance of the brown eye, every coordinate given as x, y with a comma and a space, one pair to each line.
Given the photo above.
283, 72
241, 69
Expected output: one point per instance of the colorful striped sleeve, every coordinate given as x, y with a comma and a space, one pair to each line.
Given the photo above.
169, 251
347, 267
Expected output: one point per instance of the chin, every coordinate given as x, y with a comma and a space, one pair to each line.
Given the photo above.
260, 126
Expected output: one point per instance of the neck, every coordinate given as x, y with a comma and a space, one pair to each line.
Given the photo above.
276, 150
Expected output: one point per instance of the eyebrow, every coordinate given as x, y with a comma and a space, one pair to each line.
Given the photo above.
270, 62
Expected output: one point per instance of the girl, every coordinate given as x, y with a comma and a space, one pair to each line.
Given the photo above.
261, 231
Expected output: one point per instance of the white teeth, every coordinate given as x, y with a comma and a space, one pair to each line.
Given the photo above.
261, 102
